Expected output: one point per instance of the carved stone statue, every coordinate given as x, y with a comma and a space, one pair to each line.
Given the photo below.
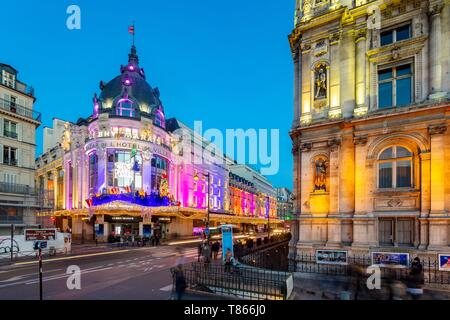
320, 175
320, 82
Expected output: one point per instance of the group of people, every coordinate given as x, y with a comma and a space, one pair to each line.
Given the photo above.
207, 253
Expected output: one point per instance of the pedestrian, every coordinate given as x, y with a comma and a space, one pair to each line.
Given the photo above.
180, 282
153, 239
415, 279
215, 249
228, 260
199, 251
206, 254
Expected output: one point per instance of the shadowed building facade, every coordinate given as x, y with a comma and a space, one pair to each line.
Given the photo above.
371, 145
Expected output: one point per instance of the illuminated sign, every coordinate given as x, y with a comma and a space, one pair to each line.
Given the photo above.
146, 148
123, 170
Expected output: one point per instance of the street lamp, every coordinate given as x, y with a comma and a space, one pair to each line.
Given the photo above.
207, 221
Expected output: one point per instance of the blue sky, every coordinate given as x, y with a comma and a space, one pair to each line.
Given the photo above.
227, 63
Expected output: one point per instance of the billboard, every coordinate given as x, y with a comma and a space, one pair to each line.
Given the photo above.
444, 262
390, 259
331, 257
40, 234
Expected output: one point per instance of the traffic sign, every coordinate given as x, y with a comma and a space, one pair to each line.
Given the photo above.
40, 234
40, 245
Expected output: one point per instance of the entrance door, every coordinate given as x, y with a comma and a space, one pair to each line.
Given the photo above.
386, 235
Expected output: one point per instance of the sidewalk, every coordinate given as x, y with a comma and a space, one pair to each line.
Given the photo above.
309, 286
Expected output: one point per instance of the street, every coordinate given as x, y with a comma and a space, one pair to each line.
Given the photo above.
142, 274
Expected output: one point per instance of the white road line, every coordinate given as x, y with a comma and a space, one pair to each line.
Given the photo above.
167, 288
66, 275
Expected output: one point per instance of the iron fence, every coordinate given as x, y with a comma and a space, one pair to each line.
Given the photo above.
238, 282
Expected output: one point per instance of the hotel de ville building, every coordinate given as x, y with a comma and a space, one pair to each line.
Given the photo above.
371, 142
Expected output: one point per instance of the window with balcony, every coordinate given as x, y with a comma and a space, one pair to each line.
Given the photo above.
10, 156
395, 168
395, 86
10, 129
395, 35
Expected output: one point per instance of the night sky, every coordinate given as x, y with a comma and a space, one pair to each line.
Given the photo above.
227, 63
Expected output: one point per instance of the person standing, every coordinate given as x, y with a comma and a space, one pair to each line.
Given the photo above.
416, 279
180, 282
215, 249
206, 254
199, 251
228, 260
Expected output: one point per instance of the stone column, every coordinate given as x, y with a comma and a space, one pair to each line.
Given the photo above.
347, 173
437, 169
297, 88
305, 73
425, 184
361, 175
347, 76
101, 170
335, 84
360, 73
436, 51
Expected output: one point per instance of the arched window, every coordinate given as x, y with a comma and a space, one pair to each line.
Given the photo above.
125, 108
395, 168
159, 119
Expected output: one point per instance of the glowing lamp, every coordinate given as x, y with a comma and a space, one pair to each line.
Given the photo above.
196, 177
131, 68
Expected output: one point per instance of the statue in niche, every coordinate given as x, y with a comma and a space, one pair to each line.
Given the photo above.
320, 174
320, 82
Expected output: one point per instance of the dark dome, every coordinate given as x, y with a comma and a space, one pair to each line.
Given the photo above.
132, 85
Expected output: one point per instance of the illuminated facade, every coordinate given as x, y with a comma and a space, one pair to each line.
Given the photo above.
126, 169
371, 146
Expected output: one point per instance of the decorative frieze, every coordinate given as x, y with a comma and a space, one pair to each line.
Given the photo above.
437, 129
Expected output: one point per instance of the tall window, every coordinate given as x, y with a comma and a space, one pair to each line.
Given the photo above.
125, 108
8, 79
395, 168
10, 129
10, 156
93, 173
123, 170
60, 190
394, 35
159, 166
395, 86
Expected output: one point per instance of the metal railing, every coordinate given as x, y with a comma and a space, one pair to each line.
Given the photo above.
14, 107
357, 265
238, 282
16, 188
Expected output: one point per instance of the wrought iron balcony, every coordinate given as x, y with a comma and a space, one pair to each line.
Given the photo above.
16, 188
20, 110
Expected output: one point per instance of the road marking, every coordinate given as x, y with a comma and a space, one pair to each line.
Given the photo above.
67, 275
71, 257
167, 288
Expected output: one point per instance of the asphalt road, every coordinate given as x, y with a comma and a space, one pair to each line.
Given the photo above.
142, 274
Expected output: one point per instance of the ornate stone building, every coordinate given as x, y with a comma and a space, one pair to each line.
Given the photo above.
371, 145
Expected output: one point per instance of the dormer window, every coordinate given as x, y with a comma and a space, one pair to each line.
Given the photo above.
8, 79
159, 119
125, 108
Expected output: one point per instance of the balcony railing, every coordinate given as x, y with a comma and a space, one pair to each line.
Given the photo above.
10, 162
14, 107
16, 188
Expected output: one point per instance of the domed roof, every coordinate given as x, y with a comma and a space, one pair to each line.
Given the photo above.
130, 84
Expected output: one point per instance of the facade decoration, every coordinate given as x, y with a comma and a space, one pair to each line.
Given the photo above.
370, 126
126, 170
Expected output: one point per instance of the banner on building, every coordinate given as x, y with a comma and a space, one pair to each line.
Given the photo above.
227, 239
390, 259
331, 257
444, 262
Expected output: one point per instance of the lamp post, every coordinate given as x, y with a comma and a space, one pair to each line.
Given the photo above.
268, 219
207, 212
